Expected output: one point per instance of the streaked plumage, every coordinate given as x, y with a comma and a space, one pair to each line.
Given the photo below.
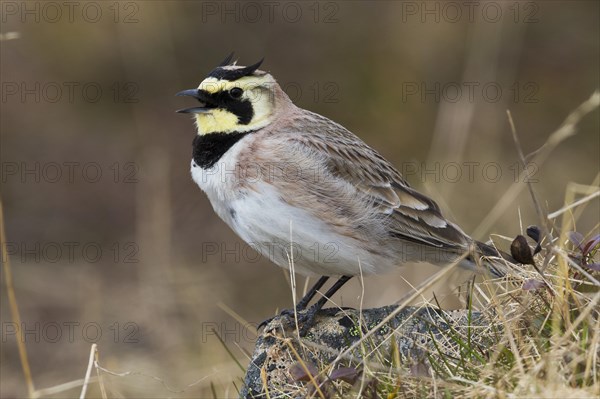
281, 172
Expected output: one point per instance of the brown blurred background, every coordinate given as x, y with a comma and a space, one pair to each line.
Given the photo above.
110, 240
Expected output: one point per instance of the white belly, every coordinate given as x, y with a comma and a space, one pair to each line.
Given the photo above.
278, 231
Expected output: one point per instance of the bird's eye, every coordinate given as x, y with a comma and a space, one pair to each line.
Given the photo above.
236, 92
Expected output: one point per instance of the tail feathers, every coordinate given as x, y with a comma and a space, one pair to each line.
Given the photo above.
494, 260
488, 250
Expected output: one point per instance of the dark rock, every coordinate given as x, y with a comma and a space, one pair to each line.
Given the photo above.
410, 333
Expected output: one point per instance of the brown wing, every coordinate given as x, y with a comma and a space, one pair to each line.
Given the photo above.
413, 216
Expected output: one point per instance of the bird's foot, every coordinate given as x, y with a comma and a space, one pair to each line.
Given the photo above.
305, 318
265, 322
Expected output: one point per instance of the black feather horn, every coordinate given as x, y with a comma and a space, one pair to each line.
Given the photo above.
230, 74
249, 70
227, 60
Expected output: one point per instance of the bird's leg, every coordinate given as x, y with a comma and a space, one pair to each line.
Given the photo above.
311, 293
307, 319
300, 306
334, 288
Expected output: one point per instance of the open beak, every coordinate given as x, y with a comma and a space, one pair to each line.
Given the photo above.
194, 110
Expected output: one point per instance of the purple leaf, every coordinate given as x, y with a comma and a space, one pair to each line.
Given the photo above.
532, 284
591, 244
593, 266
576, 238
298, 371
346, 374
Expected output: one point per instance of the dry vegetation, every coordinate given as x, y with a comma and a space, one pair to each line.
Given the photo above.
545, 329
545, 321
546, 333
546, 325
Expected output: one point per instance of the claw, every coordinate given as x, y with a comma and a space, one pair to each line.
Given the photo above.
285, 312
306, 318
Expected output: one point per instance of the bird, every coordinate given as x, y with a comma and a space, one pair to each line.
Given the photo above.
308, 193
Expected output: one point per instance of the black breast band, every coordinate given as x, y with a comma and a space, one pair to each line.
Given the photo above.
209, 148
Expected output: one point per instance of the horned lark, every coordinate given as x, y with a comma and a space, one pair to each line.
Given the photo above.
305, 191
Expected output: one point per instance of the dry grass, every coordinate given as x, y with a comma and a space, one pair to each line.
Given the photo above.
545, 320
545, 328
549, 336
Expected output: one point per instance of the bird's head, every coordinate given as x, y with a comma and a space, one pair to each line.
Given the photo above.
234, 98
